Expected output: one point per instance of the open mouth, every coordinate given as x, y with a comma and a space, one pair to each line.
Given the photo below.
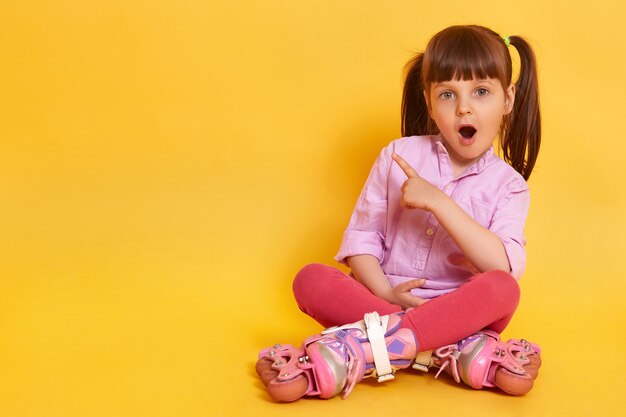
467, 132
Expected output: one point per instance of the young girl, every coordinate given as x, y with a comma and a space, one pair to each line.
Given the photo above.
435, 243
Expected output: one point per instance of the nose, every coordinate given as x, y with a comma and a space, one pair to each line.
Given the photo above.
463, 107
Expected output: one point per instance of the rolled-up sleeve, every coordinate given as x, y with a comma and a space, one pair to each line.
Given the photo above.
508, 224
366, 231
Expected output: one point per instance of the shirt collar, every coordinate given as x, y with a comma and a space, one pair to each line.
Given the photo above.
445, 166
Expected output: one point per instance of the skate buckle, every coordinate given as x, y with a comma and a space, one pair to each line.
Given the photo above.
422, 361
420, 367
385, 378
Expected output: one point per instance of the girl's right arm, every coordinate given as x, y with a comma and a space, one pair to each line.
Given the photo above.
366, 270
482, 247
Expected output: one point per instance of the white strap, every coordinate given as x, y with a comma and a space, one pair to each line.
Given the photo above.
376, 327
334, 329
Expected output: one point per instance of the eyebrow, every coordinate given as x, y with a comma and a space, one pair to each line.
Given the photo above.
446, 84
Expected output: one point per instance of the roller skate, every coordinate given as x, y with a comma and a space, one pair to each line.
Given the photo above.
332, 362
483, 360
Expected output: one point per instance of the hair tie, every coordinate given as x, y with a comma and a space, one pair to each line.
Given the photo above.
507, 40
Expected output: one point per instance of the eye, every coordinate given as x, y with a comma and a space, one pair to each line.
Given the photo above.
482, 91
446, 95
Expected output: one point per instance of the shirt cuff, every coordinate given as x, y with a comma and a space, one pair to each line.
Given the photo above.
516, 254
356, 242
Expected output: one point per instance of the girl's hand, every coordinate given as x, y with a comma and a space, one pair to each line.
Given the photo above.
401, 294
416, 191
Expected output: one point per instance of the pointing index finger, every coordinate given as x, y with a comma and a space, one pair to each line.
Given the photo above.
408, 169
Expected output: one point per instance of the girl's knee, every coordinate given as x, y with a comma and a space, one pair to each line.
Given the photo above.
500, 285
306, 279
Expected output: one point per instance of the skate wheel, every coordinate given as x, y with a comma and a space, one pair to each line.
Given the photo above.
531, 370
535, 360
268, 375
511, 383
262, 365
290, 390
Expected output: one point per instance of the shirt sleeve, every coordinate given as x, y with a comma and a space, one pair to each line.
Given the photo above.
366, 231
508, 224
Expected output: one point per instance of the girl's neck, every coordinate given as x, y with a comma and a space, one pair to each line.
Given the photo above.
460, 165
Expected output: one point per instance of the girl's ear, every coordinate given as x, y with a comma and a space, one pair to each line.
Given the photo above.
509, 99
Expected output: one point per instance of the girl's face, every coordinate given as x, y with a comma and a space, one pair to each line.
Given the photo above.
468, 115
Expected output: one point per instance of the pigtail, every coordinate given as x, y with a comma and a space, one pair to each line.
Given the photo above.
415, 118
522, 131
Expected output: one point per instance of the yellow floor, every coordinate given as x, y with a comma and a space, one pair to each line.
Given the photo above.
166, 168
161, 344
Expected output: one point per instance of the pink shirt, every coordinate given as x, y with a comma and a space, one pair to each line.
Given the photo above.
410, 243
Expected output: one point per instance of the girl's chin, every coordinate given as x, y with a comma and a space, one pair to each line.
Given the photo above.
467, 156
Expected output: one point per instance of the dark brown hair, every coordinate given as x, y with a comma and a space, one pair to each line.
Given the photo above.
470, 52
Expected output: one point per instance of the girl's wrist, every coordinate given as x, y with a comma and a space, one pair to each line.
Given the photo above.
437, 201
386, 294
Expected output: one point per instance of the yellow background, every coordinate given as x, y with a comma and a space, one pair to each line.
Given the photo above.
167, 166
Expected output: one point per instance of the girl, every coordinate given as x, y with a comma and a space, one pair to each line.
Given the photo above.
435, 243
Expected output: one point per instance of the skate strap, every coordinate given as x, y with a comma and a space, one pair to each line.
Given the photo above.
376, 327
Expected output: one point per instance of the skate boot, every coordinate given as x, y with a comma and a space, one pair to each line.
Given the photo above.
483, 360
332, 362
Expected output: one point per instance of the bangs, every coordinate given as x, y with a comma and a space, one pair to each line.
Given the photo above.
466, 53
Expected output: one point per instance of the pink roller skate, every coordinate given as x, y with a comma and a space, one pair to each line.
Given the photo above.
522, 350
332, 362
483, 360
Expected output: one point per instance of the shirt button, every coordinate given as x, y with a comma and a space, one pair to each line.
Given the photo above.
430, 231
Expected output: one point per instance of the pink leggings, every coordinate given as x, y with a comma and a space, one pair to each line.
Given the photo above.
487, 300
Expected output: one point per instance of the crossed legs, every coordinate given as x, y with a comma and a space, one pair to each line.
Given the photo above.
487, 301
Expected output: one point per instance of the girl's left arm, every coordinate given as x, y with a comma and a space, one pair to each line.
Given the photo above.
483, 248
